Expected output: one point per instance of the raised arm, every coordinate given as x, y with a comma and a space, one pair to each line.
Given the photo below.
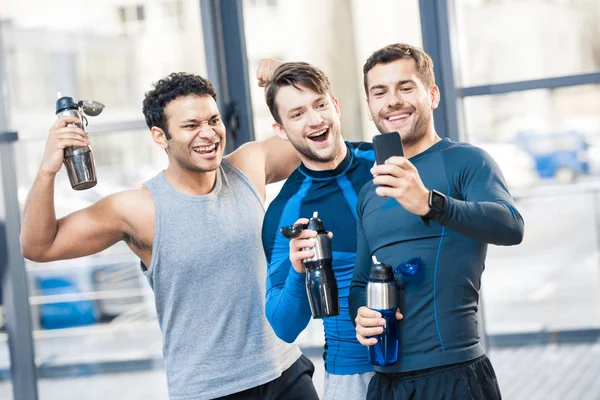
88, 231
265, 162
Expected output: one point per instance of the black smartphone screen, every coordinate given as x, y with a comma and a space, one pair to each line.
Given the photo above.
387, 145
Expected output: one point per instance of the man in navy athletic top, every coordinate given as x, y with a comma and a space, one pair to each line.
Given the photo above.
328, 181
438, 207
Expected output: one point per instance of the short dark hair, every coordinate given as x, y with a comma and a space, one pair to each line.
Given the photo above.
294, 74
169, 88
401, 51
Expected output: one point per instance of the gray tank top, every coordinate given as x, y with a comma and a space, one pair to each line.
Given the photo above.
208, 274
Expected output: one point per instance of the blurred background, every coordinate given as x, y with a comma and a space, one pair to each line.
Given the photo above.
519, 78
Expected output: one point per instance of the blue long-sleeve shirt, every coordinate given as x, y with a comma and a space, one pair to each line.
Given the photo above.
334, 195
440, 302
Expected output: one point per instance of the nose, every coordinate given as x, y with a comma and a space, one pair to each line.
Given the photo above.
314, 118
206, 131
395, 100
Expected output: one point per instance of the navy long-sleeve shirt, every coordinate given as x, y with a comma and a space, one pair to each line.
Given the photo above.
334, 195
440, 302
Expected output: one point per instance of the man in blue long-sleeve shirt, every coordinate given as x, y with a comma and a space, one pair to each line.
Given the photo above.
328, 181
440, 204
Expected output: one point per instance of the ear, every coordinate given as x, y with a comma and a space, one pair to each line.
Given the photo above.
435, 96
160, 138
279, 130
336, 105
369, 110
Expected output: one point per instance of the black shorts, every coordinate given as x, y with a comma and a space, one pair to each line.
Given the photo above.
294, 384
471, 380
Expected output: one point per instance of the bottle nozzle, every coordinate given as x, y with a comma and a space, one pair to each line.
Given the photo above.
315, 214
374, 260
58, 95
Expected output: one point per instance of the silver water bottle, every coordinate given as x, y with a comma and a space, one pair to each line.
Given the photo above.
321, 285
382, 297
79, 160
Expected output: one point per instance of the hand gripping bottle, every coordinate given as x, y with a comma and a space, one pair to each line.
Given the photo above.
382, 297
321, 285
79, 160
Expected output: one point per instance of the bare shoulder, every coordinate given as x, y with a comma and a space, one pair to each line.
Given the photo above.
249, 157
132, 204
266, 161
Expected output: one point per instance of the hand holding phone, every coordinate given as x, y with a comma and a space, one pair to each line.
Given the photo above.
387, 145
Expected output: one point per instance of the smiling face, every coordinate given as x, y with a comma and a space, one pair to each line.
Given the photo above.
399, 100
311, 122
197, 134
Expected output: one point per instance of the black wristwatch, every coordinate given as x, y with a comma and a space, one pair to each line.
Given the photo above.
437, 205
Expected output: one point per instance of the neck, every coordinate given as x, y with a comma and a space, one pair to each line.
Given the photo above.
430, 138
326, 166
191, 183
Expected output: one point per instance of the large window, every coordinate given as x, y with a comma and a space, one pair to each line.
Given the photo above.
96, 309
546, 141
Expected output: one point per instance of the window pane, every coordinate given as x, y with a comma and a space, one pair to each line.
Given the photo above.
547, 143
516, 41
96, 309
338, 39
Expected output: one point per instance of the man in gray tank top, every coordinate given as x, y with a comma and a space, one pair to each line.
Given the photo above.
196, 226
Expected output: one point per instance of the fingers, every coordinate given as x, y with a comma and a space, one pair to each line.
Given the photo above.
399, 315
64, 121
69, 136
388, 180
368, 323
266, 69
301, 221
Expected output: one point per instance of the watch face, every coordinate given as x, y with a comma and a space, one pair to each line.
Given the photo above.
438, 200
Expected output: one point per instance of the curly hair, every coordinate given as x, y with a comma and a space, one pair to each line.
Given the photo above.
169, 88
294, 74
401, 51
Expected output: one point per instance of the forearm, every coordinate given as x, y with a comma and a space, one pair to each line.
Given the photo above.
489, 222
39, 226
362, 267
287, 307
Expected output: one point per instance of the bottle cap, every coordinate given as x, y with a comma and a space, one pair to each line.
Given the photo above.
316, 224
381, 271
66, 103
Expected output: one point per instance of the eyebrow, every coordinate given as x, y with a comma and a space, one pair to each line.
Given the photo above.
399, 83
317, 100
293, 110
195, 120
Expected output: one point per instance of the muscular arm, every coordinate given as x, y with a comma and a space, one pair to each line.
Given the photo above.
85, 232
265, 162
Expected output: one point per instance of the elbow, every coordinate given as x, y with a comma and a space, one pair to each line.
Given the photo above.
514, 235
517, 234
33, 253
281, 330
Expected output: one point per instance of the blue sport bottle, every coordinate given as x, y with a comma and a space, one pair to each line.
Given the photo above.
382, 297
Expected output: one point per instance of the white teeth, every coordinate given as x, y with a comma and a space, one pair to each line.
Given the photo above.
204, 149
398, 117
312, 135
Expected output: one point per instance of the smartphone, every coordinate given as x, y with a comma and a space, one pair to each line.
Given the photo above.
387, 145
